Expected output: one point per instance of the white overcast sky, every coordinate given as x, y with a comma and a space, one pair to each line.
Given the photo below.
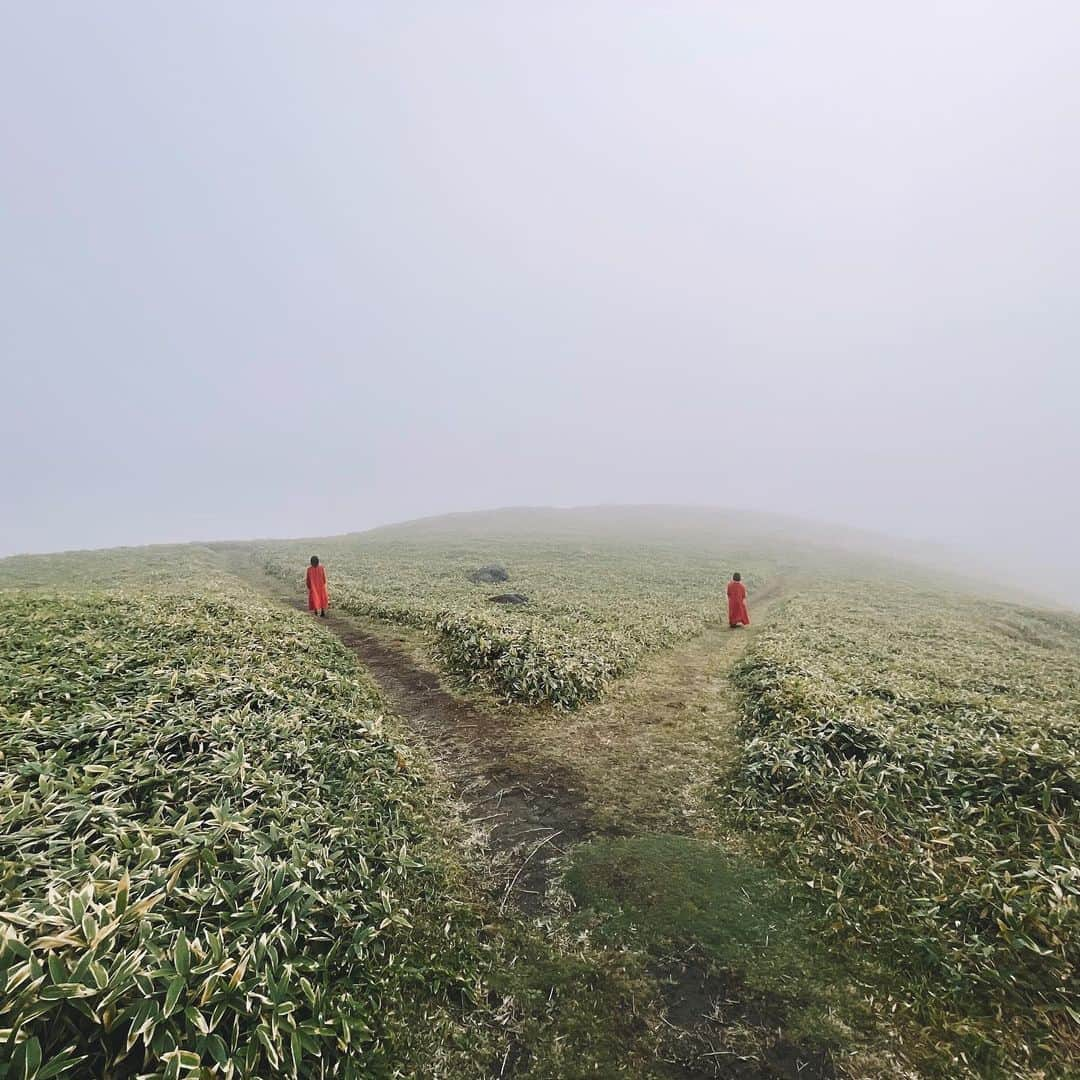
294, 268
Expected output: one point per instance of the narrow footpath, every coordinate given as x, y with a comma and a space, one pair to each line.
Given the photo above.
597, 777
529, 811
533, 808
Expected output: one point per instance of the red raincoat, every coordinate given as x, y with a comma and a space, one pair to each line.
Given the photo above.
736, 604
317, 598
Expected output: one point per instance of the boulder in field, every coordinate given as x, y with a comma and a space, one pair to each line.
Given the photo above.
509, 598
489, 575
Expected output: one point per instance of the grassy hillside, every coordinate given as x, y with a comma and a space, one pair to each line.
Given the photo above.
217, 859
605, 586
211, 853
918, 752
794, 543
113, 568
909, 746
594, 607
891, 772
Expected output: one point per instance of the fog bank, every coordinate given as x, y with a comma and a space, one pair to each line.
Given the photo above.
272, 270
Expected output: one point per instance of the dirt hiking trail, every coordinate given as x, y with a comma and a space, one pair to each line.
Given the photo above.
532, 807
530, 815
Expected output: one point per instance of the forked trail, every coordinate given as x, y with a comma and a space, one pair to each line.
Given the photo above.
525, 777
535, 782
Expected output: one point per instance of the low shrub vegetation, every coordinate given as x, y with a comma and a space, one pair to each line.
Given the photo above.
919, 753
595, 607
211, 858
152, 566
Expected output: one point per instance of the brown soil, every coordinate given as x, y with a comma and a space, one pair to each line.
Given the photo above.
704, 1006
530, 813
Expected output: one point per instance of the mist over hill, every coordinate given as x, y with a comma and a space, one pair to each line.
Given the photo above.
543, 255
804, 545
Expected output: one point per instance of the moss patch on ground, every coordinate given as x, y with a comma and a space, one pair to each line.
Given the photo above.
720, 929
669, 891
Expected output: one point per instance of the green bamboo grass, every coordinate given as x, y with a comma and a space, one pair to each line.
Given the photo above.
920, 754
595, 610
212, 861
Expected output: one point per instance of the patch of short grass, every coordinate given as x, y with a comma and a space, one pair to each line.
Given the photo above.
683, 901
574, 1011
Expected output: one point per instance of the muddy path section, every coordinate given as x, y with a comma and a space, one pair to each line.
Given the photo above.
529, 812
533, 815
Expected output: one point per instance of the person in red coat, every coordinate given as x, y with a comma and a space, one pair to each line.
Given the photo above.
736, 602
317, 598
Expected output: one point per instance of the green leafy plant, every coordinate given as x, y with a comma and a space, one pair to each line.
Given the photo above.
212, 861
919, 754
594, 609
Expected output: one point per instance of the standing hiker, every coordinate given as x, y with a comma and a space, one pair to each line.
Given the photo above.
316, 587
736, 602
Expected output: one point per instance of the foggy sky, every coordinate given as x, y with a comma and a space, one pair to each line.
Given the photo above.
291, 269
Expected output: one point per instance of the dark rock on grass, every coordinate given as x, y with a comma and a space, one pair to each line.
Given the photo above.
489, 575
509, 598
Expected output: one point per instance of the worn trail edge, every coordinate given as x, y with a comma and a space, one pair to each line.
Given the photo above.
534, 814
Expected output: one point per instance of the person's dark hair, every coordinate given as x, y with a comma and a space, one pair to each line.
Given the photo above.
314, 560
736, 576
